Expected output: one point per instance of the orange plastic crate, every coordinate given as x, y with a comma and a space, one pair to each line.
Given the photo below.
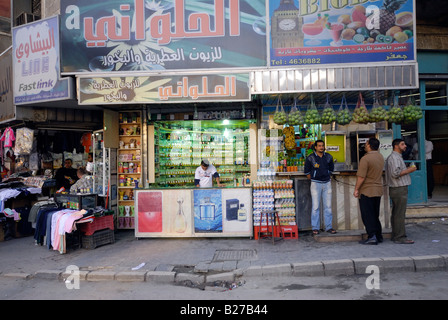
266, 230
290, 232
99, 223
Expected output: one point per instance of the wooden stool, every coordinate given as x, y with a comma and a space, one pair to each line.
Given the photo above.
275, 221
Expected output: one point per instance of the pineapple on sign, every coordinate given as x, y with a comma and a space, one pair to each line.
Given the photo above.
387, 14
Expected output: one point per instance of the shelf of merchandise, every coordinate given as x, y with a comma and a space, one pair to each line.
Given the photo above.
179, 151
129, 165
275, 196
101, 170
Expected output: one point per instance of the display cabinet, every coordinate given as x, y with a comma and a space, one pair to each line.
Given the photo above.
101, 160
76, 201
129, 166
179, 147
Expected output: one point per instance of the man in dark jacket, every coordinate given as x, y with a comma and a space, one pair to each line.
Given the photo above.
66, 176
318, 167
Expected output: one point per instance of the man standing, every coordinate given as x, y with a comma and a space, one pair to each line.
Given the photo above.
318, 168
204, 174
398, 180
369, 189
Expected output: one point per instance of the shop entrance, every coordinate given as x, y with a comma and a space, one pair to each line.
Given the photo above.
436, 121
430, 182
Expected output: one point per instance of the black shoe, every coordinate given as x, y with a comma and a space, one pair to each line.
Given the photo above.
370, 241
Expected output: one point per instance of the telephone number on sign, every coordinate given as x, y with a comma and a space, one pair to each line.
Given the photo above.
304, 61
295, 61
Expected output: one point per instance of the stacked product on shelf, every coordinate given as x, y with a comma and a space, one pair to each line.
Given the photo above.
180, 147
271, 196
129, 166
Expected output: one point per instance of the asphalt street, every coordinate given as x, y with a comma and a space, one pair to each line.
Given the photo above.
251, 257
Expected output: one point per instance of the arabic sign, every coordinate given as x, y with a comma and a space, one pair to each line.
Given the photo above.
36, 63
352, 31
144, 35
164, 89
7, 108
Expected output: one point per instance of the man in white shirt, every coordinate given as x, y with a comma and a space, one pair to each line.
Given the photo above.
203, 177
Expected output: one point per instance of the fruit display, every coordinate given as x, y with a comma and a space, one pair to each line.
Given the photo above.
280, 117
412, 113
312, 116
277, 157
267, 151
361, 115
295, 117
343, 117
378, 113
396, 114
290, 139
328, 115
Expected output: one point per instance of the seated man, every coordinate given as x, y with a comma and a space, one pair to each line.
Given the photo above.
66, 176
84, 184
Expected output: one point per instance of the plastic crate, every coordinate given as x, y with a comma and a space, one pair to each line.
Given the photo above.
290, 232
99, 238
266, 231
99, 223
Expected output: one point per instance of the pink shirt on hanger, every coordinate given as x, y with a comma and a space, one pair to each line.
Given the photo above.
8, 137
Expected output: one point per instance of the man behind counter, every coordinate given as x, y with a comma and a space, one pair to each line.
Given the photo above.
66, 176
203, 177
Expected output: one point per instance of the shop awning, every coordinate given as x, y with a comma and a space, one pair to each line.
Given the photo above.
335, 78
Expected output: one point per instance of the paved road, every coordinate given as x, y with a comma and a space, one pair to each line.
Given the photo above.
397, 286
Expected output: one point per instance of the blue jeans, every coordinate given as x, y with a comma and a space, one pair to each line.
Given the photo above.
321, 191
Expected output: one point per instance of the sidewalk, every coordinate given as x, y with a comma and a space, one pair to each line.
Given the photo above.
226, 259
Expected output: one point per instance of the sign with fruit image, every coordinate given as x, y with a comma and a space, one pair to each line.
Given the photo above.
350, 31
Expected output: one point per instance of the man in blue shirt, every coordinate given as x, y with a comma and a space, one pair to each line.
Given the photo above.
318, 167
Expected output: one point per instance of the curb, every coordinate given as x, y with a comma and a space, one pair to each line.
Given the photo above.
340, 267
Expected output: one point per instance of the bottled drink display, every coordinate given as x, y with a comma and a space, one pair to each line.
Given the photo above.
181, 145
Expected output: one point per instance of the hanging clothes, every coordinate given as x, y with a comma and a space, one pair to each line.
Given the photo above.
86, 141
7, 140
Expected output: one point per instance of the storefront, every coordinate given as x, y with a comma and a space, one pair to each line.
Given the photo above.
430, 130
211, 89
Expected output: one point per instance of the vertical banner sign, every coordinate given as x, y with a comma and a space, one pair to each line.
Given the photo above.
7, 108
150, 35
36, 63
313, 32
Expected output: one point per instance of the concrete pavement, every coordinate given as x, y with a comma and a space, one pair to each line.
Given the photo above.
207, 260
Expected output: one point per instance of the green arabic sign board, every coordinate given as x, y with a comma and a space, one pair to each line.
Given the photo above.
148, 35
